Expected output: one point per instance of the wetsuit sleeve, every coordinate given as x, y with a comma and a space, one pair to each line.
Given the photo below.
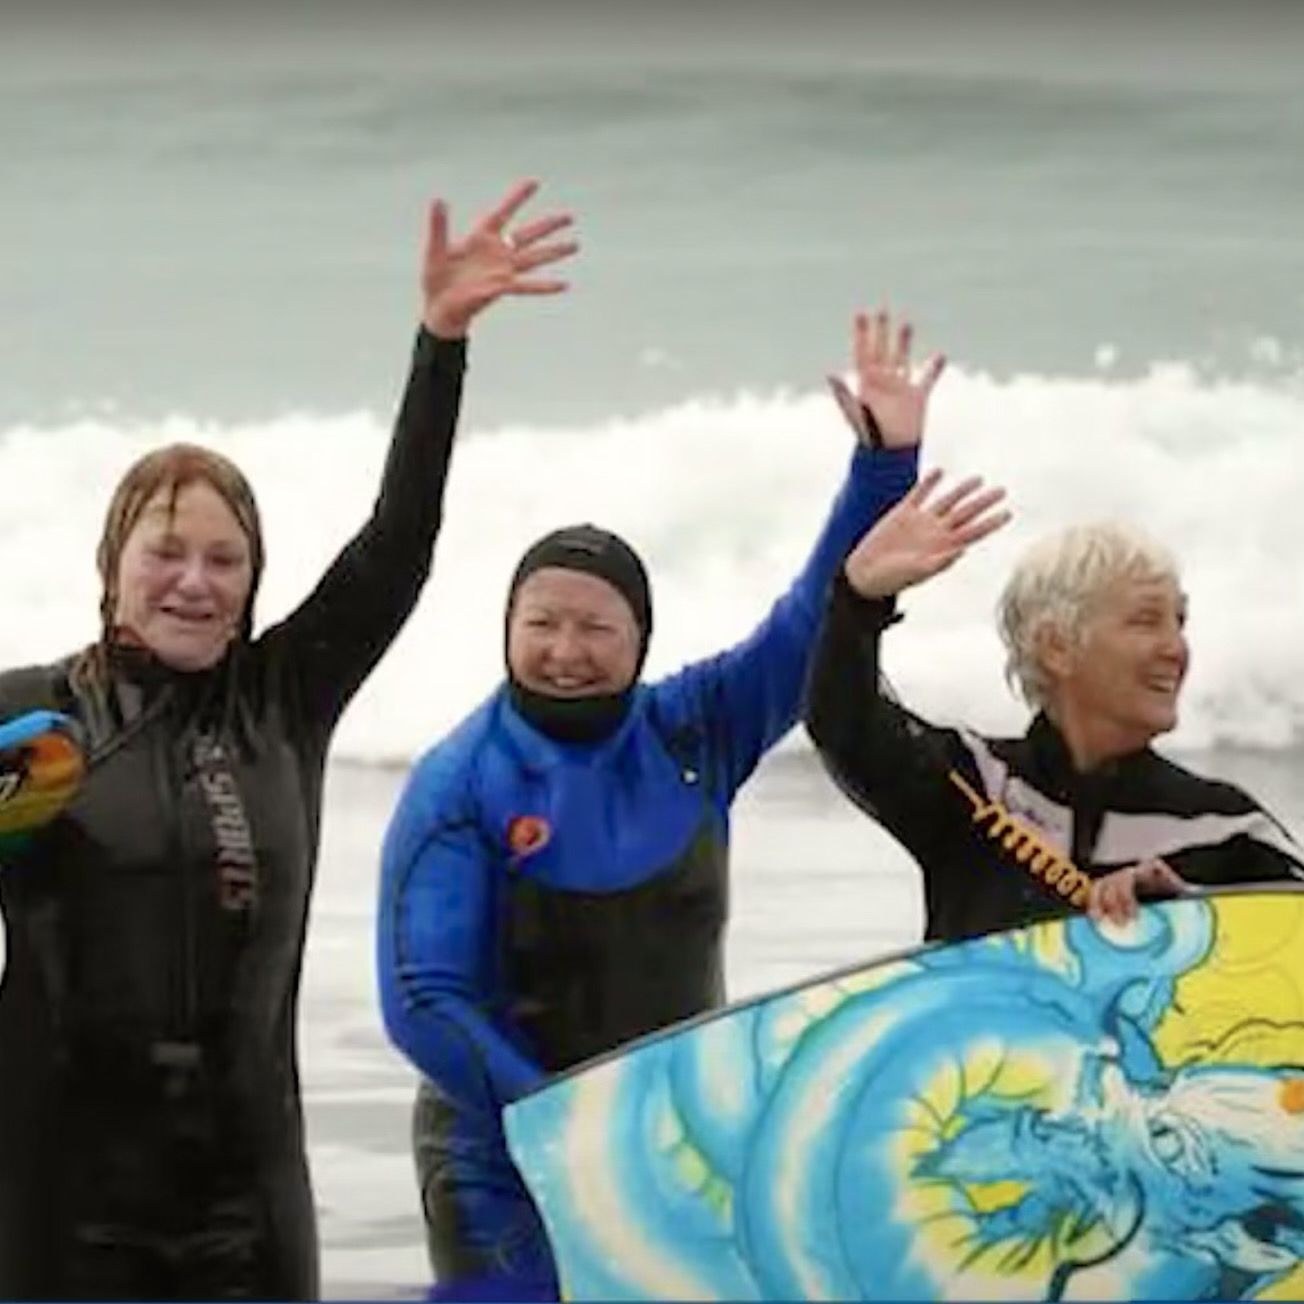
32, 688
435, 957
889, 761
1264, 853
336, 636
750, 695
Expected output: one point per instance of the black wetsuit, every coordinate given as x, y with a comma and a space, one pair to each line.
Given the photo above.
1006, 830
151, 1137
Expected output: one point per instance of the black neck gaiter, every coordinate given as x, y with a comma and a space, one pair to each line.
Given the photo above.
571, 719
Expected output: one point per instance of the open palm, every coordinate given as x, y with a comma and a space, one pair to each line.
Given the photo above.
890, 402
919, 537
460, 278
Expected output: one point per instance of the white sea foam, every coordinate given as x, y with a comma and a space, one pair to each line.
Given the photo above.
723, 496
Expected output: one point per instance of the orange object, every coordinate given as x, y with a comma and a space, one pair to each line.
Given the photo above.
38, 777
1292, 1095
526, 834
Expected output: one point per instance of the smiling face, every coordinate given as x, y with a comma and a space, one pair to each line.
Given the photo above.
1114, 688
184, 577
571, 635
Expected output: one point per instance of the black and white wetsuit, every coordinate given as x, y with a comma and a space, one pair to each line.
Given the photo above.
1006, 830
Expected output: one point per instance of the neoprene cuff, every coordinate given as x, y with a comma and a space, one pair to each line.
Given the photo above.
864, 613
432, 351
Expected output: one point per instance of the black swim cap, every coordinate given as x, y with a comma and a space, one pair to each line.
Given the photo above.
595, 552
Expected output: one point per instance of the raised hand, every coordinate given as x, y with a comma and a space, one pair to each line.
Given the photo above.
460, 278
890, 403
918, 537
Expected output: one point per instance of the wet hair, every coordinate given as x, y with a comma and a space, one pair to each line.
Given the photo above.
1055, 584
168, 471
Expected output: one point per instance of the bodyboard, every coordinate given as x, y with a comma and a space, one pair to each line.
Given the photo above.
41, 768
1068, 1110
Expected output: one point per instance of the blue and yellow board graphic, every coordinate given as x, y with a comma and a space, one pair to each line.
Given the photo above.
1067, 1111
41, 767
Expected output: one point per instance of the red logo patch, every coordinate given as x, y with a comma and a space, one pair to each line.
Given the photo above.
526, 834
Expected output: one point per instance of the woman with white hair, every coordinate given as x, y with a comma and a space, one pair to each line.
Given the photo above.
1080, 811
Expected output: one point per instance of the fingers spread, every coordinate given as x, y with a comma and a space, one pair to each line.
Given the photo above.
507, 208
961, 511
933, 368
531, 232
437, 229
878, 338
543, 254
966, 515
924, 486
974, 504
860, 342
982, 527
950, 500
901, 355
531, 286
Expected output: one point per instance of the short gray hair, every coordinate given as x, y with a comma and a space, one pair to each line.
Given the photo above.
1055, 583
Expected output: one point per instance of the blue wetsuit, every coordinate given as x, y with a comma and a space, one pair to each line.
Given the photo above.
543, 902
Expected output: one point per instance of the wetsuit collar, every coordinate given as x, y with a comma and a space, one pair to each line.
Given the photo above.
571, 720
1054, 766
145, 686
540, 749
132, 660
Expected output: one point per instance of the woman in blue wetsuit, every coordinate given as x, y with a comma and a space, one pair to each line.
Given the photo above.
555, 876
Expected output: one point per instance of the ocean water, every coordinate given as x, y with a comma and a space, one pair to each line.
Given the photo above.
210, 229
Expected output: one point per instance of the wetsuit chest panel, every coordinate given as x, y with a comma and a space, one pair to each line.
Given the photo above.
109, 884
996, 892
588, 971
1027, 819
1011, 846
612, 927
178, 885
603, 826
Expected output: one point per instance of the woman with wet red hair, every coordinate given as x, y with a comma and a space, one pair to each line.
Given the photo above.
151, 1137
